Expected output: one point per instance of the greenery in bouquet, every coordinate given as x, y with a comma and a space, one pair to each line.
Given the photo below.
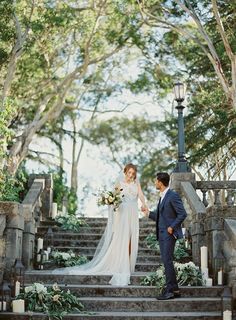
188, 274
70, 222
110, 198
56, 303
68, 259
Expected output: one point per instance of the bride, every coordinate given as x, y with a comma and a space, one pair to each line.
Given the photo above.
117, 250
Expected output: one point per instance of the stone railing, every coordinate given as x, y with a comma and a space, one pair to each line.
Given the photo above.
217, 193
211, 207
19, 222
195, 220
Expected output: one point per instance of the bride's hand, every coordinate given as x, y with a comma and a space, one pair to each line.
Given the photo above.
145, 210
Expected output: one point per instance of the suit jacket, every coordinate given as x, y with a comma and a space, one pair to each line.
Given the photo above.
172, 212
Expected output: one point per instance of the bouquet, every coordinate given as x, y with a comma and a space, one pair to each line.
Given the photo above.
110, 198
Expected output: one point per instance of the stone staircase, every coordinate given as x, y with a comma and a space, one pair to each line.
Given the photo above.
104, 301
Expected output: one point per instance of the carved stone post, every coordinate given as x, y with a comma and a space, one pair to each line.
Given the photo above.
198, 237
13, 233
28, 237
213, 226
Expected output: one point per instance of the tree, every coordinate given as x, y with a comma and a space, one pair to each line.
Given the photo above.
66, 44
191, 19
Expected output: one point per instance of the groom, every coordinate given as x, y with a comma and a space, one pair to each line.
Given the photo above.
169, 215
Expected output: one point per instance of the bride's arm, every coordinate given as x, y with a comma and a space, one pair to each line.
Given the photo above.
141, 196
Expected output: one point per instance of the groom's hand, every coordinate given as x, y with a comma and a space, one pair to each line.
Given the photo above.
170, 230
145, 210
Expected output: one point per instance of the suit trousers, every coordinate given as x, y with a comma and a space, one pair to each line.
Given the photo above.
167, 246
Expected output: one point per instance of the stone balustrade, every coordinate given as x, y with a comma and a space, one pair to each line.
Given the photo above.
211, 207
217, 193
18, 223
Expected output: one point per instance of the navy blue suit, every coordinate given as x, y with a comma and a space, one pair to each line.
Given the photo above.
169, 213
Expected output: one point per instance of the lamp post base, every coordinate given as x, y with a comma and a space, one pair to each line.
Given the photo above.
182, 166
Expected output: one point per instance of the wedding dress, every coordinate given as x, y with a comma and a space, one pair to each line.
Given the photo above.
112, 256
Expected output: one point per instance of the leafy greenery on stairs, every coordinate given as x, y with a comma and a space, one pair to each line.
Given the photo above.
56, 303
67, 259
180, 250
70, 222
188, 274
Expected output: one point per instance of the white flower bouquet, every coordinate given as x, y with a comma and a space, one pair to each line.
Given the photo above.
110, 198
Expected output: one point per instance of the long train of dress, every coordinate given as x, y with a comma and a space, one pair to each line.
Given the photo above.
117, 250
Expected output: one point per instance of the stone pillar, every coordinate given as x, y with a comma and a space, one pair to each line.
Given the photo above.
198, 239
47, 194
178, 177
213, 226
229, 245
28, 236
13, 233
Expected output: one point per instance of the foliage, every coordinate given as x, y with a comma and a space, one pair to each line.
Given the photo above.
142, 136
182, 48
14, 188
179, 252
61, 193
79, 52
152, 243
70, 222
55, 302
67, 259
186, 274
73, 46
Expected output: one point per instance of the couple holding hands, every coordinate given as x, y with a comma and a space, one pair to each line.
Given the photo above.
117, 251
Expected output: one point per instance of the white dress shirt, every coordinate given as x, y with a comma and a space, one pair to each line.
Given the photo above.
162, 194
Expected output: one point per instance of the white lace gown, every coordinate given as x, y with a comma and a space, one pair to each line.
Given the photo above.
112, 255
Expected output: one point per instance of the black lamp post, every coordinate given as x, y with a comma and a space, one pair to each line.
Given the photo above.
179, 92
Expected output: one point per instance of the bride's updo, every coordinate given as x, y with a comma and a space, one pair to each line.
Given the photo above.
131, 166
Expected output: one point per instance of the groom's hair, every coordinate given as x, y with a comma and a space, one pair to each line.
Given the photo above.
164, 178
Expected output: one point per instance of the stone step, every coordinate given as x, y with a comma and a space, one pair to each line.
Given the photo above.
137, 291
140, 304
78, 236
214, 315
145, 266
91, 250
46, 277
140, 258
97, 230
99, 222
82, 242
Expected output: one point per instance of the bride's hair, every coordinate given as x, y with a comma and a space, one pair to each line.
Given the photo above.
131, 166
